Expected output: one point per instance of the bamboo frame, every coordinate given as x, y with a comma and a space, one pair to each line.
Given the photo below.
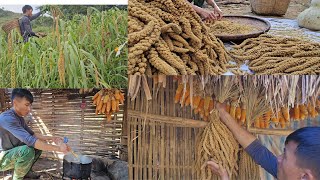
174, 121
277, 132
158, 148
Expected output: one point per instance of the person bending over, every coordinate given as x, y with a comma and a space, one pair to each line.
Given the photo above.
20, 147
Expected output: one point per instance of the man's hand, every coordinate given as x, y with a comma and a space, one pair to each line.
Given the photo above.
64, 148
57, 140
41, 34
38, 35
48, 138
220, 106
44, 146
217, 11
218, 170
207, 15
243, 136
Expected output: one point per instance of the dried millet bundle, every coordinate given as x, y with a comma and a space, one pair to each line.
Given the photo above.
216, 142
269, 54
248, 169
173, 31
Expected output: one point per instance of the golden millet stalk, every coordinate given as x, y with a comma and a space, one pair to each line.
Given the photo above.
10, 47
61, 67
13, 71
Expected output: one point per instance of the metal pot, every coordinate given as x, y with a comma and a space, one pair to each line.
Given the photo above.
77, 168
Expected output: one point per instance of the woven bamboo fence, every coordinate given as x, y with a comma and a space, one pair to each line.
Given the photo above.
4, 100
65, 113
161, 142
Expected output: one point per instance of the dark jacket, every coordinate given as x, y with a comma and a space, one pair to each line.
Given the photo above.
25, 26
197, 2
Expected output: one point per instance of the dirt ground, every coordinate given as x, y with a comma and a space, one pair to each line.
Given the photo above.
295, 8
47, 165
50, 170
41, 166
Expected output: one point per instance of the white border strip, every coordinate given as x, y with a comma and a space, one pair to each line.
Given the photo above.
71, 2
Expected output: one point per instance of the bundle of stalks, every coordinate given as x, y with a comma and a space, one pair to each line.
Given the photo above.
169, 37
255, 101
216, 142
224, 88
269, 54
248, 169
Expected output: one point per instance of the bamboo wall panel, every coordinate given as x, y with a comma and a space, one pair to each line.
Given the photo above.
159, 150
4, 100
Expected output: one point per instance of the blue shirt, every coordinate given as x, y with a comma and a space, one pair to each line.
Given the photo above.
14, 131
262, 156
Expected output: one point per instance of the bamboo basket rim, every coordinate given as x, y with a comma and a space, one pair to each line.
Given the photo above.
270, 8
10, 25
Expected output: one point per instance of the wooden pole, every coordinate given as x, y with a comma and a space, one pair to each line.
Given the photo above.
277, 132
177, 121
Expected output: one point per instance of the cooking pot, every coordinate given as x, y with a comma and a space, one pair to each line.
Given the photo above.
77, 168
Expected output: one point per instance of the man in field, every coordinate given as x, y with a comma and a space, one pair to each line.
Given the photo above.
25, 22
216, 14
300, 160
20, 147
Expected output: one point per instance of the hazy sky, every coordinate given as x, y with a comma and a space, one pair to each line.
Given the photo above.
18, 8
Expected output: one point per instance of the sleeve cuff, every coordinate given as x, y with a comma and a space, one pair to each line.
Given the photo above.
32, 141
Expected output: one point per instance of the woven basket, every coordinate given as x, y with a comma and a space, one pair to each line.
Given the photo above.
9, 26
270, 7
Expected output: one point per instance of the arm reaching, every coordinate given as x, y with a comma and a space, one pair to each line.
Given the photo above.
42, 137
48, 147
205, 14
35, 16
243, 136
48, 138
216, 9
259, 153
